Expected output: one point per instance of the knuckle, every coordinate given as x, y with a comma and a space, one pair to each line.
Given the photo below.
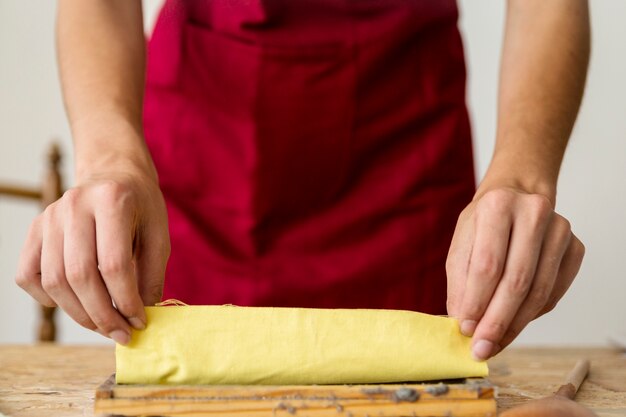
72, 197
512, 332
52, 283
540, 293
23, 280
77, 273
465, 214
114, 192
510, 335
103, 320
490, 207
495, 330
562, 225
487, 266
540, 204
110, 188
472, 310
550, 305
539, 296
519, 283
85, 322
498, 199
497, 195
48, 215
127, 307
112, 267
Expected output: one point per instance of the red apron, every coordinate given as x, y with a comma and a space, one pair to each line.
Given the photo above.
312, 153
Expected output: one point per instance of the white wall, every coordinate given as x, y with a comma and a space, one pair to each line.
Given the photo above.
30, 115
591, 192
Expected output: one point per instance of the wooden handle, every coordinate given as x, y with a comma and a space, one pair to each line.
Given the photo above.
23, 192
50, 191
574, 379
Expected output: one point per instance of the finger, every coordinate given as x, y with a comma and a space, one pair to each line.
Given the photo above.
29, 266
493, 228
114, 240
84, 278
570, 265
557, 239
457, 263
152, 255
524, 249
53, 271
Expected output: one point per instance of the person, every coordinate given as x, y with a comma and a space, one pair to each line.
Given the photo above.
313, 153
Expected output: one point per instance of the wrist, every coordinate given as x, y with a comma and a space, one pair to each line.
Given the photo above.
109, 163
120, 150
530, 178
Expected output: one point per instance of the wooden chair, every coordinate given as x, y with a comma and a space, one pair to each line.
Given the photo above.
50, 190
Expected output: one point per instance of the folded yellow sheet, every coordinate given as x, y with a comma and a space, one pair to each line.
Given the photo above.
276, 346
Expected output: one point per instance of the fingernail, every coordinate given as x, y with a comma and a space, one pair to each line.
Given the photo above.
120, 337
137, 323
482, 350
468, 327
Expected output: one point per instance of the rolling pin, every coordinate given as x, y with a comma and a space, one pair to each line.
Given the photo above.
561, 403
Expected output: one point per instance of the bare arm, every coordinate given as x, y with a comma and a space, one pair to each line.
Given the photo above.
512, 257
543, 71
99, 252
101, 53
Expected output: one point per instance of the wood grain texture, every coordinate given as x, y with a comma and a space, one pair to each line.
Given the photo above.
49, 380
531, 373
471, 398
52, 380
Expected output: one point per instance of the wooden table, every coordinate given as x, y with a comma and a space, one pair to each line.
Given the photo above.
49, 380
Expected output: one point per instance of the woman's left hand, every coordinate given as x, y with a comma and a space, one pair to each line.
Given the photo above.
511, 260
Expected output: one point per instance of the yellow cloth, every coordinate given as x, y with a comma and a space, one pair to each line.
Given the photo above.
285, 346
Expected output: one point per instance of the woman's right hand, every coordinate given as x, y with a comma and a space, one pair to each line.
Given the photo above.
100, 251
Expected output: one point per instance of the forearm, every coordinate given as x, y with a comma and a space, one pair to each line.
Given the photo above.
101, 54
543, 70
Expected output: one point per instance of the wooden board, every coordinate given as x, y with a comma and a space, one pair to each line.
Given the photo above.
466, 398
47, 380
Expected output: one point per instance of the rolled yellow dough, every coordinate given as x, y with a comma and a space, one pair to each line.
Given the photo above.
284, 346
